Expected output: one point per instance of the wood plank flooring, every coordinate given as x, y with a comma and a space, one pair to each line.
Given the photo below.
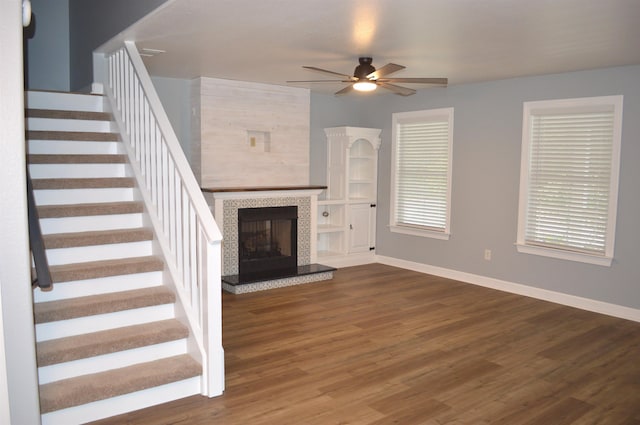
382, 345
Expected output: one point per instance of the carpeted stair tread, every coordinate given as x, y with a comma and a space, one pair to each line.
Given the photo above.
98, 237
84, 183
110, 341
90, 209
68, 115
105, 268
76, 136
51, 311
77, 159
98, 386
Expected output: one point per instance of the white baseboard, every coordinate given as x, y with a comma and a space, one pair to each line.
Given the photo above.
595, 306
348, 260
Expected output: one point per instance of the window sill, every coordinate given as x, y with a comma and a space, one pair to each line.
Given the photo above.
419, 232
565, 255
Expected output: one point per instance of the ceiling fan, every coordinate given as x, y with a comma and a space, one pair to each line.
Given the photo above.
367, 78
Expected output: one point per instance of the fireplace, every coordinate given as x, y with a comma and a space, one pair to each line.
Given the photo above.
267, 242
290, 260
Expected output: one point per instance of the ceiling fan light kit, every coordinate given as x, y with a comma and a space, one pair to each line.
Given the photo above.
365, 86
366, 78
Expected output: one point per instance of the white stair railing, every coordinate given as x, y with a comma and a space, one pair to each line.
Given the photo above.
187, 233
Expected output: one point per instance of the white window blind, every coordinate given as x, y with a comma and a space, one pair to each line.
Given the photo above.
422, 170
571, 186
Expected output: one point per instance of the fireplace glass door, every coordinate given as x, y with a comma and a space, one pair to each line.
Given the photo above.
267, 242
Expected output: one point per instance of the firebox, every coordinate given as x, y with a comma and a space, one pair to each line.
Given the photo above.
267, 242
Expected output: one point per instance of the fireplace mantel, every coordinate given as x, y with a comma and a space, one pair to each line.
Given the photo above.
261, 188
220, 194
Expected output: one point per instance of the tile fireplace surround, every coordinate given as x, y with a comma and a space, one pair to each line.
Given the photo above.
224, 204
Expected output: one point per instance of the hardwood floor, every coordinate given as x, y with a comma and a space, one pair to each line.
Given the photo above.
381, 345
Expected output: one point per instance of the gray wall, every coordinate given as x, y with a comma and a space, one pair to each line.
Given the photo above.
92, 23
486, 173
175, 95
47, 51
330, 111
67, 31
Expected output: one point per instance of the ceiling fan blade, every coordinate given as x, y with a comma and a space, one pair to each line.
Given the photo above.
313, 68
345, 90
385, 70
403, 91
319, 81
438, 81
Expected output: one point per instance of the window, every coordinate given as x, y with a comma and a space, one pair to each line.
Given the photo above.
569, 178
421, 172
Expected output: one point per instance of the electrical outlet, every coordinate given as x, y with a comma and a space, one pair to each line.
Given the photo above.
487, 254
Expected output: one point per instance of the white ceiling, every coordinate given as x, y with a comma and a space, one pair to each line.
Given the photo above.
465, 40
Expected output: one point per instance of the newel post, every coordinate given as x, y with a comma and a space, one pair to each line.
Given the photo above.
211, 315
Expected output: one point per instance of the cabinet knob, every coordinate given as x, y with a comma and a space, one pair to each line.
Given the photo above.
351, 226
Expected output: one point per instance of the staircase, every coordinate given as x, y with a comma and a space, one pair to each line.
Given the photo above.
108, 337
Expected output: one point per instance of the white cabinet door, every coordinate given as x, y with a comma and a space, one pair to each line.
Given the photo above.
360, 237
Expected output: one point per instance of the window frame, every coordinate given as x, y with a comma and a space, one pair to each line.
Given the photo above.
567, 106
428, 115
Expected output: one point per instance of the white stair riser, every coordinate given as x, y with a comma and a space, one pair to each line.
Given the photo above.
101, 322
80, 196
90, 223
83, 254
123, 404
61, 124
111, 361
104, 285
64, 101
36, 146
55, 171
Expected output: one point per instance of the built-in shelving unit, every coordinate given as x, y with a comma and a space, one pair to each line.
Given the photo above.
331, 225
346, 209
